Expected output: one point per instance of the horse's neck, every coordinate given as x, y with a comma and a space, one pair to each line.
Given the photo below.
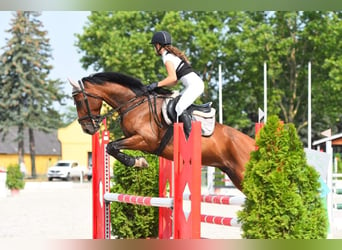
117, 95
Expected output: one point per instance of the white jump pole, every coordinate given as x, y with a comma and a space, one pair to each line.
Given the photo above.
211, 170
220, 95
265, 92
139, 200
329, 150
309, 106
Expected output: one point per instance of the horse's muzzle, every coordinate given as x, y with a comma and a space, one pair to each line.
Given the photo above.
89, 127
89, 131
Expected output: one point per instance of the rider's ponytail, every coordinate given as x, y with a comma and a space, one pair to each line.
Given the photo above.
177, 52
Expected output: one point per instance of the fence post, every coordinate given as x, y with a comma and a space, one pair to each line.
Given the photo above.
165, 190
101, 185
187, 175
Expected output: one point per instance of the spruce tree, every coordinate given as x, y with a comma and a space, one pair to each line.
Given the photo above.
135, 221
27, 94
282, 191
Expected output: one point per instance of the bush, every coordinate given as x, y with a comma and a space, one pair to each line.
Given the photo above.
134, 221
339, 162
282, 192
14, 179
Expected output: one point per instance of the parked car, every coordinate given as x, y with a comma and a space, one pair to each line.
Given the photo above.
66, 170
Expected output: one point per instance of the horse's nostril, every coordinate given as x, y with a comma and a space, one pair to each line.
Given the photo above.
89, 131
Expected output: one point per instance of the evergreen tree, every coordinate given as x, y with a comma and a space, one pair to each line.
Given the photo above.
135, 221
282, 191
27, 95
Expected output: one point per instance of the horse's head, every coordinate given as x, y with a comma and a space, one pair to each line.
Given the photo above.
88, 107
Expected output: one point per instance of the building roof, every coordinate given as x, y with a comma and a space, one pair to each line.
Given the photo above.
335, 138
45, 143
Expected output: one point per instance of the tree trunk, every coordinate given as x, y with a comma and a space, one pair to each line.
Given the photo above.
32, 153
20, 144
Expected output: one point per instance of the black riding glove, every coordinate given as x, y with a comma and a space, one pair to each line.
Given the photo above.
152, 86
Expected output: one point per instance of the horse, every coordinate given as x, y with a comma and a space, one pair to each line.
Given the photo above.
144, 128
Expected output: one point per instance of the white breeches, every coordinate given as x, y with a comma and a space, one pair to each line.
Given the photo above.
193, 88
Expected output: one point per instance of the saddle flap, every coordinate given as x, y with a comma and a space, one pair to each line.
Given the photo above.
171, 106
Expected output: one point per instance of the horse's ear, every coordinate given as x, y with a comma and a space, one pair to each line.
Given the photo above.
74, 84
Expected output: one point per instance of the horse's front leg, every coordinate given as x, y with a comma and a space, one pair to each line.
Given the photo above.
133, 143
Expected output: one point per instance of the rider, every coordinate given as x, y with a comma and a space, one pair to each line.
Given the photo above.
178, 68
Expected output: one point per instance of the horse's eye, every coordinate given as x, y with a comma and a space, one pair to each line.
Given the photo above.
78, 104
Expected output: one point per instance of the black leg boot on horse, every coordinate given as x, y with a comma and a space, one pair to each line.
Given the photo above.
185, 118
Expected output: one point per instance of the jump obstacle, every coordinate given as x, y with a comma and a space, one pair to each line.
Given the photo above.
174, 178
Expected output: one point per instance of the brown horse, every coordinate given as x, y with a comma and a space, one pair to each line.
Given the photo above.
142, 124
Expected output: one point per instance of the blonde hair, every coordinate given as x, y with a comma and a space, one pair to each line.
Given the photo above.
177, 52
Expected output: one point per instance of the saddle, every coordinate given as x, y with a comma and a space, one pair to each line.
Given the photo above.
203, 113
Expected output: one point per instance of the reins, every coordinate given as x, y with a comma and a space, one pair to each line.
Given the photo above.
154, 111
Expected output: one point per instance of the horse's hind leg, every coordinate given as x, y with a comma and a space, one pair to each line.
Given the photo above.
113, 149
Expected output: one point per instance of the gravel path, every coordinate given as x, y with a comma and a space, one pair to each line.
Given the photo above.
63, 210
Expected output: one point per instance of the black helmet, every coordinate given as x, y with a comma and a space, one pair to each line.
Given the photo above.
161, 37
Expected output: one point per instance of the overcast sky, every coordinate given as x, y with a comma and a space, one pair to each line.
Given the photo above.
61, 27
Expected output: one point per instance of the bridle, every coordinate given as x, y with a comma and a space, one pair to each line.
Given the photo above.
96, 120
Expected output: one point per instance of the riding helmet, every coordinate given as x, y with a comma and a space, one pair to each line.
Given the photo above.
161, 37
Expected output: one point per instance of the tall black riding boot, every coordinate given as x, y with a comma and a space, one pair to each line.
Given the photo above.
186, 119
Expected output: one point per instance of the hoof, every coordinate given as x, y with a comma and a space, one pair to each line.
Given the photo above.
140, 162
